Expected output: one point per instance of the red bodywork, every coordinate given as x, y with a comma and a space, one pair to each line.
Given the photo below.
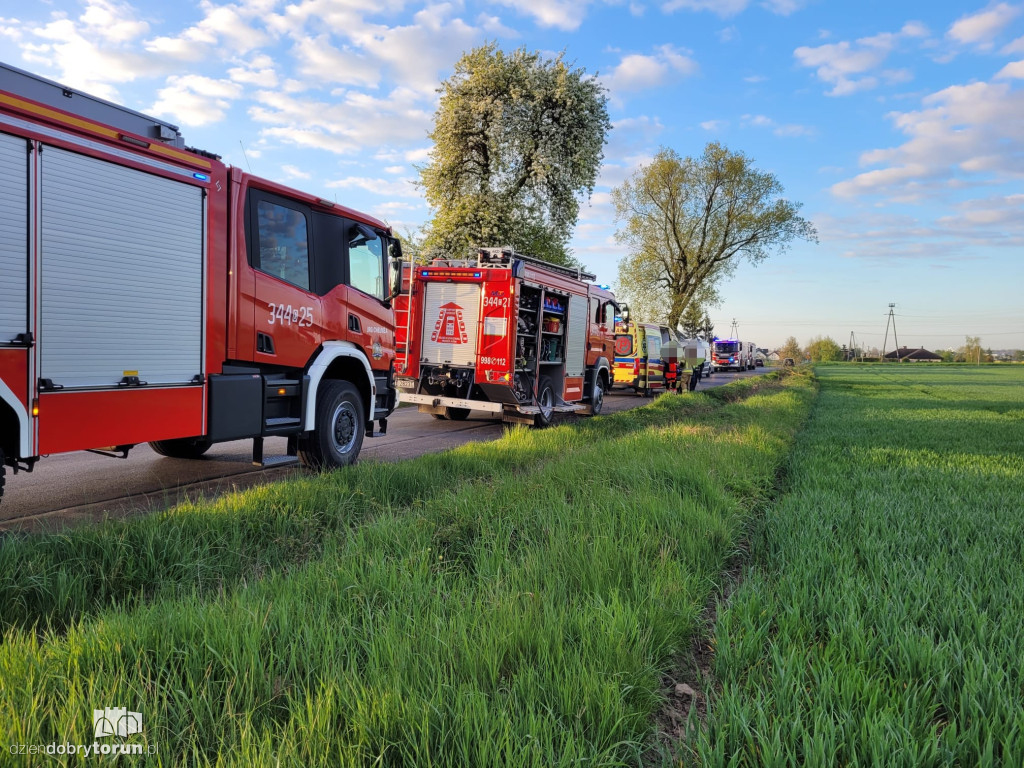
237, 299
485, 318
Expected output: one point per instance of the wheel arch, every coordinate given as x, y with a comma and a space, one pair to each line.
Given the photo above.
339, 360
14, 425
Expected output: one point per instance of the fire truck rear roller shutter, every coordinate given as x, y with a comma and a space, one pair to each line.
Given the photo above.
13, 237
576, 336
122, 273
451, 313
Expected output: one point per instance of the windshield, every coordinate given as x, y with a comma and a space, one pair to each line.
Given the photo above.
726, 347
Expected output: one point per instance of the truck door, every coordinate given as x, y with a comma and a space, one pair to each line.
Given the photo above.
287, 314
369, 323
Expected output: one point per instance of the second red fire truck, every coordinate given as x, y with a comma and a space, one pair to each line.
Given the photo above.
505, 334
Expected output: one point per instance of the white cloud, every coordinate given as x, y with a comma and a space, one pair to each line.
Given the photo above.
405, 187
637, 72
728, 34
230, 29
845, 65
963, 135
295, 173
727, 8
789, 130
561, 14
196, 100
982, 28
319, 60
1016, 46
1015, 69
353, 122
754, 79
92, 52
723, 8
714, 125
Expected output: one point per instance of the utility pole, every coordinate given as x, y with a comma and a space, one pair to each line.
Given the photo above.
735, 332
892, 321
853, 348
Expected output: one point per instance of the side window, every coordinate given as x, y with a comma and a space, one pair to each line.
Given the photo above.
282, 236
595, 310
366, 261
653, 346
609, 314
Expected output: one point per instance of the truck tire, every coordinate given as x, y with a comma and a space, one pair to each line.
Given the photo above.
546, 402
457, 414
340, 424
182, 448
597, 396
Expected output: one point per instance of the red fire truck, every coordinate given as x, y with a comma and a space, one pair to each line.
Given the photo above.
506, 334
151, 293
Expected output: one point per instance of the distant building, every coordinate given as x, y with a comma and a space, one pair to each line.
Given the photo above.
919, 355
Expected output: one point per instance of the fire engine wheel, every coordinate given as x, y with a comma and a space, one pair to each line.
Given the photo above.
457, 414
183, 448
339, 429
597, 397
546, 402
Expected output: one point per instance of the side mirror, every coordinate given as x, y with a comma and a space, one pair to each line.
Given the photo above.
624, 312
395, 249
396, 277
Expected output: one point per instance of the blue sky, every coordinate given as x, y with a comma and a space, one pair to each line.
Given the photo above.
899, 126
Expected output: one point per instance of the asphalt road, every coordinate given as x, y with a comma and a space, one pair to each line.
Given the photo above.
79, 487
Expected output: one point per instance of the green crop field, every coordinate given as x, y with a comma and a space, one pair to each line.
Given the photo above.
504, 604
881, 622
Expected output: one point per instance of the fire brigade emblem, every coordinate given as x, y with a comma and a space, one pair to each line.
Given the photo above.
378, 350
450, 328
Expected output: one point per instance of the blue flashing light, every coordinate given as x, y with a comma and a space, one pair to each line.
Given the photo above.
477, 274
424, 273
200, 176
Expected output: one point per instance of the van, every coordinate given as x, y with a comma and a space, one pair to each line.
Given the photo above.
639, 361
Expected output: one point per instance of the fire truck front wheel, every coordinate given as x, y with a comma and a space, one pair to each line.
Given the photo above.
339, 429
183, 448
545, 401
597, 396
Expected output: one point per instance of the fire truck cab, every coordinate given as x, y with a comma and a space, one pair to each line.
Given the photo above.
504, 334
151, 293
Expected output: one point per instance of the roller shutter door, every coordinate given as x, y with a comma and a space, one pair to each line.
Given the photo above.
576, 336
451, 313
122, 274
13, 237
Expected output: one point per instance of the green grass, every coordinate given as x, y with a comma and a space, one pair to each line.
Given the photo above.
511, 603
881, 622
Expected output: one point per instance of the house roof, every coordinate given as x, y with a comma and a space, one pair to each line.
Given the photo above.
906, 353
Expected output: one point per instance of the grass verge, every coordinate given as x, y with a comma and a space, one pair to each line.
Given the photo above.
880, 624
513, 603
